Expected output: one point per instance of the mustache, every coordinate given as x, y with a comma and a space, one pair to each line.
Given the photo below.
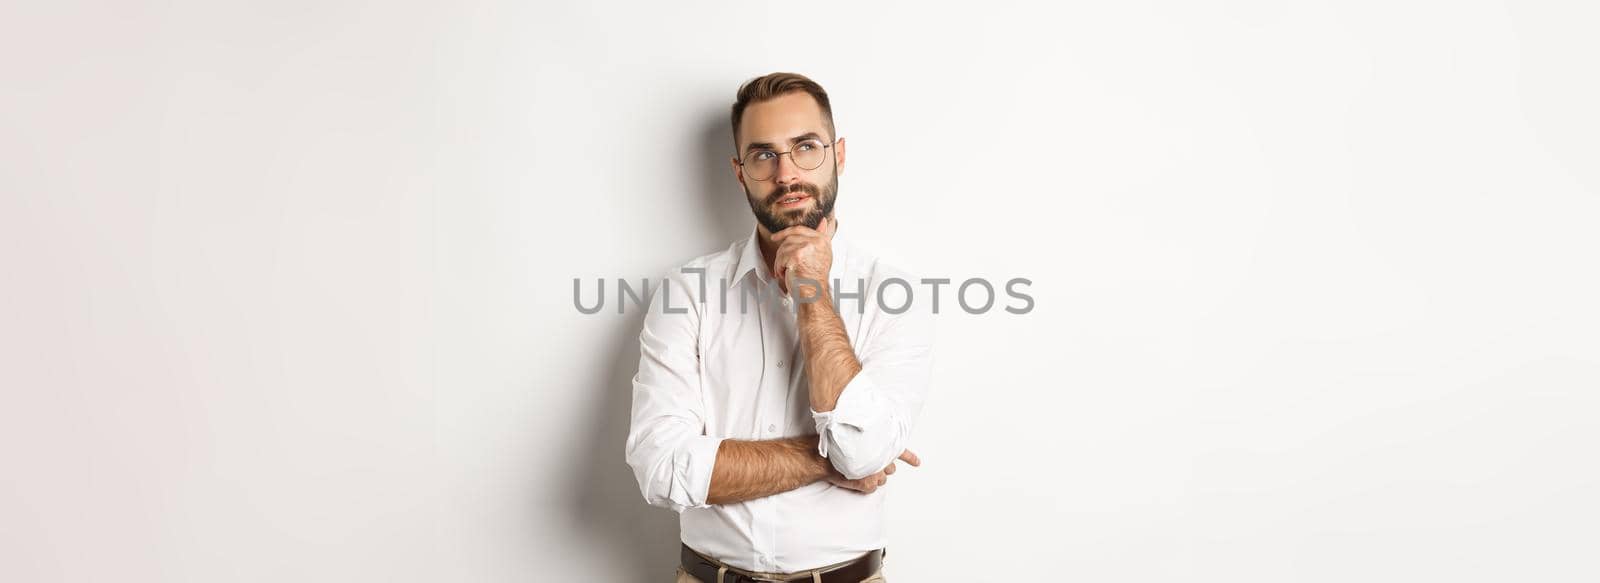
782, 193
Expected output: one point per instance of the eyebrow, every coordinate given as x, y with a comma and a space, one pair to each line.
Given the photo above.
794, 140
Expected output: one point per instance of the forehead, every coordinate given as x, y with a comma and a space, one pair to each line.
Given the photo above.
780, 118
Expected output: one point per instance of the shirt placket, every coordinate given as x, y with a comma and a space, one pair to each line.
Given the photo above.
779, 340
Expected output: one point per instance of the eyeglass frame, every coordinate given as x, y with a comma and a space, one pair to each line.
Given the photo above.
778, 155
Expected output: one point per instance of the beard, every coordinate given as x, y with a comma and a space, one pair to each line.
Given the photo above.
776, 220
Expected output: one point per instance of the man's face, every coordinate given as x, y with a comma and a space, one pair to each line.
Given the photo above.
782, 124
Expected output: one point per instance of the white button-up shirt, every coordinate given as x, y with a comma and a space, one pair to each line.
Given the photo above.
709, 371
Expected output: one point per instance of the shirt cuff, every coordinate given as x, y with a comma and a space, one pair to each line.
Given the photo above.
691, 469
847, 410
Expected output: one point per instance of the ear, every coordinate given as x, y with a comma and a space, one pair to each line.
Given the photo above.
738, 171
838, 153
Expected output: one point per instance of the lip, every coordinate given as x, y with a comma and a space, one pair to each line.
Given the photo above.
803, 198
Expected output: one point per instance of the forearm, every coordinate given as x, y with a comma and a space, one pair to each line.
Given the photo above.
746, 470
830, 362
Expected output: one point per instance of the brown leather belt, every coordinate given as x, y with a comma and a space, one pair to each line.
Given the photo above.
705, 569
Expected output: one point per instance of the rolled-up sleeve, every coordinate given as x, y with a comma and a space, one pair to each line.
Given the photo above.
871, 422
667, 447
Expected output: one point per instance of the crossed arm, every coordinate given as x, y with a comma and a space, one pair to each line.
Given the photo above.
863, 410
747, 470
665, 444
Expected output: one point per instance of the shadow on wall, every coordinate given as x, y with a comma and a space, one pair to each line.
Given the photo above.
642, 540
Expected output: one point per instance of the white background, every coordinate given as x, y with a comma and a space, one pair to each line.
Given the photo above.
287, 285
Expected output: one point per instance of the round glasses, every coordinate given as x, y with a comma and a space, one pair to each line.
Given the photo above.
807, 155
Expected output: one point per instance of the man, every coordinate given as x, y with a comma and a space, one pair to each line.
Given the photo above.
771, 427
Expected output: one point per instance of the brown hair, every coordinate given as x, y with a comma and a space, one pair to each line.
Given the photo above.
773, 85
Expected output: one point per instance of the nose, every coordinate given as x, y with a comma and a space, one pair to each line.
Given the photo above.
787, 172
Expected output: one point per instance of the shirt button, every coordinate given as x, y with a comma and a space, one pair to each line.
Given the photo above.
780, 364
772, 428
786, 300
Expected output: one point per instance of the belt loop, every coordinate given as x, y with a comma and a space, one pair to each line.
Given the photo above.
721, 569
816, 577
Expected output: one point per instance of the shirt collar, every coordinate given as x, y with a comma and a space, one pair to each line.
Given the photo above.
749, 260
